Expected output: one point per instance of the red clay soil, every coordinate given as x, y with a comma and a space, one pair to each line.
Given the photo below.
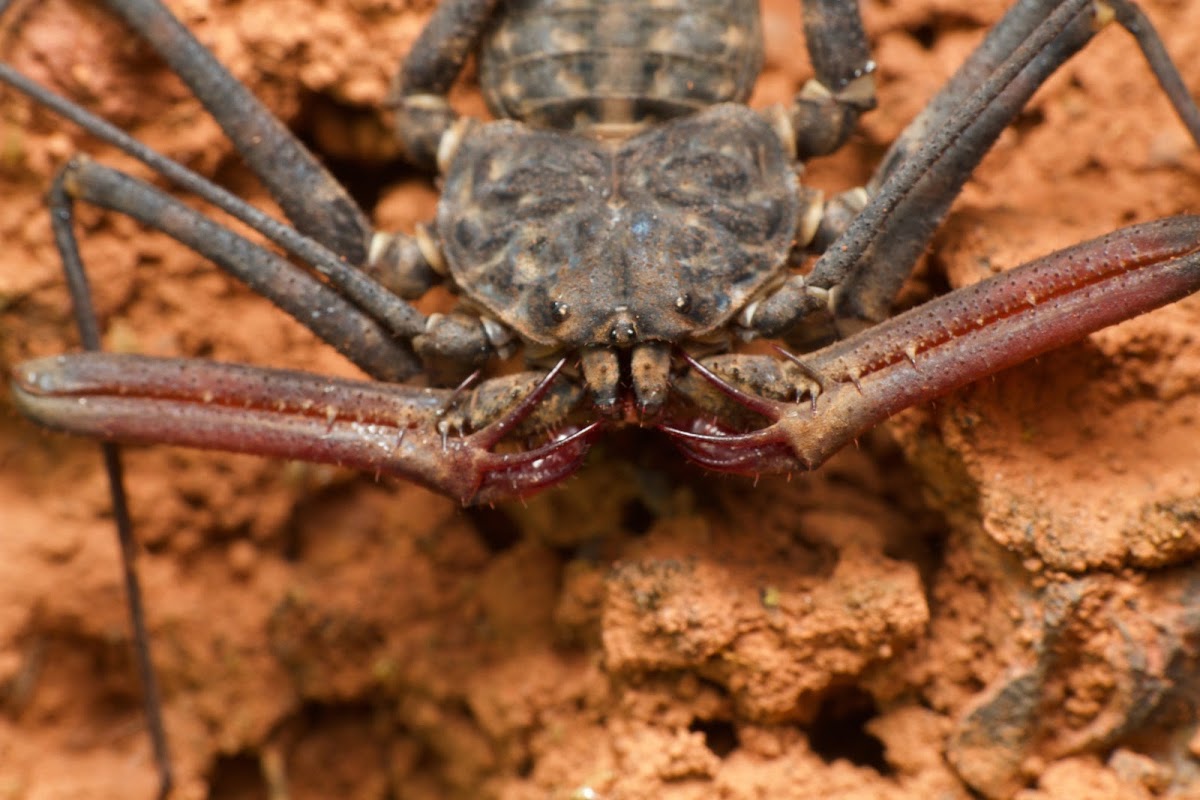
994, 594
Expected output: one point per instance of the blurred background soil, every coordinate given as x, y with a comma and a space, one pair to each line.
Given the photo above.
994, 596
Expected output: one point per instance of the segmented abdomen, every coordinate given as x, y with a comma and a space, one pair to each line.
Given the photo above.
618, 64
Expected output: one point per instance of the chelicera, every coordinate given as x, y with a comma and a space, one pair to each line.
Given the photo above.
625, 223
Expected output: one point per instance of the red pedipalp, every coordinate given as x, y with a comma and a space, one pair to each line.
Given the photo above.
508, 475
762, 451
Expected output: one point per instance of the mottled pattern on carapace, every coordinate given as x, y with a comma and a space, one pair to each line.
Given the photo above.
569, 64
562, 236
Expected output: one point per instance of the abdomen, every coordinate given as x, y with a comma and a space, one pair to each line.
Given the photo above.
616, 65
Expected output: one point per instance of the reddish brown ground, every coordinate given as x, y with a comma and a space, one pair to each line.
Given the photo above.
996, 590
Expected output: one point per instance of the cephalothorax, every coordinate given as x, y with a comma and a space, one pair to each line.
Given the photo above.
659, 239
629, 221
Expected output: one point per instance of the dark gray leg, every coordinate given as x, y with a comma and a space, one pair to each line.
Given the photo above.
423, 114
312, 199
827, 109
1134, 20
878, 250
375, 347
928, 165
375, 324
1001, 42
823, 115
312, 303
398, 264
89, 334
800, 311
